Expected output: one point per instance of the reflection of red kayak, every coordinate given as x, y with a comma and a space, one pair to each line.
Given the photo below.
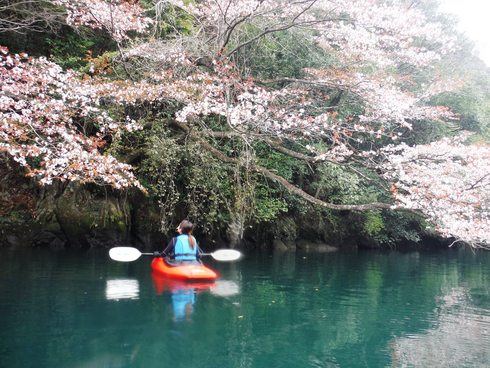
163, 283
194, 271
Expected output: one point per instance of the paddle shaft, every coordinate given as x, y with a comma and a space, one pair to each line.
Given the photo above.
164, 255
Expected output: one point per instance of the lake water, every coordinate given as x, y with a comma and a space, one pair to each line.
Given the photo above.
365, 309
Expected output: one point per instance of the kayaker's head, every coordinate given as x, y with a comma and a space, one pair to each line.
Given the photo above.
185, 227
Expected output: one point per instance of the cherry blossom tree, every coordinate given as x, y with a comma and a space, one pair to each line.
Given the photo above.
368, 39
368, 94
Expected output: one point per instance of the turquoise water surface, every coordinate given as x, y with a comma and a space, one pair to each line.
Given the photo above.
365, 309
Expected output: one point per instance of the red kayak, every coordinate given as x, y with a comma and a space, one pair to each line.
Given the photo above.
191, 271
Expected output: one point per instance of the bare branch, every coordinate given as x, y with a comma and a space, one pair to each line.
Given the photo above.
284, 27
475, 185
34, 16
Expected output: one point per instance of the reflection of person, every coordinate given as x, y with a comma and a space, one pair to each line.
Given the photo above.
183, 303
183, 247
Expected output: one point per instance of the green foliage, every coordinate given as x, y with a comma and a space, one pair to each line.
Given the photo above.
209, 189
285, 228
185, 181
341, 185
279, 54
396, 227
268, 203
74, 49
34, 161
170, 20
373, 223
425, 132
181, 178
158, 173
472, 104
280, 164
70, 50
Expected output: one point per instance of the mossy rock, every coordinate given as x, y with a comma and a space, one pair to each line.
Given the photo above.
91, 221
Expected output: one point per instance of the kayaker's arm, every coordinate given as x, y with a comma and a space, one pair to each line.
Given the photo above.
169, 251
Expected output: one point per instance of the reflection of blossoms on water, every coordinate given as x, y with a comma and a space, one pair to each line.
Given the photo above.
460, 337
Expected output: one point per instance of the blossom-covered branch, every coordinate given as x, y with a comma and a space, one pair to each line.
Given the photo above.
118, 17
449, 182
360, 31
43, 111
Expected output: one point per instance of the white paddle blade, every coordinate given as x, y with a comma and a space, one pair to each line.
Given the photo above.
124, 254
226, 255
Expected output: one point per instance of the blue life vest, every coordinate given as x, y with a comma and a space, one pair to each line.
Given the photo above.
183, 250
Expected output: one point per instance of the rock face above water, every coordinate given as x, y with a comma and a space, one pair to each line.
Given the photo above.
280, 246
88, 221
303, 245
311, 246
76, 218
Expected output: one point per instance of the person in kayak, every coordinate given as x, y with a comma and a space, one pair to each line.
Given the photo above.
183, 247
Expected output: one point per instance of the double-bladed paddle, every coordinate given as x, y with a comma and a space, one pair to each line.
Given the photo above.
129, 254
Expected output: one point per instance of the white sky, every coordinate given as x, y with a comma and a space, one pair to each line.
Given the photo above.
474, 22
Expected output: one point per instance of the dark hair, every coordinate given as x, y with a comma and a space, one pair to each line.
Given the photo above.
186, 228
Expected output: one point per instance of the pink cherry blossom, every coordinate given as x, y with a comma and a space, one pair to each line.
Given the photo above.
42, 113
449, 182
118, 17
